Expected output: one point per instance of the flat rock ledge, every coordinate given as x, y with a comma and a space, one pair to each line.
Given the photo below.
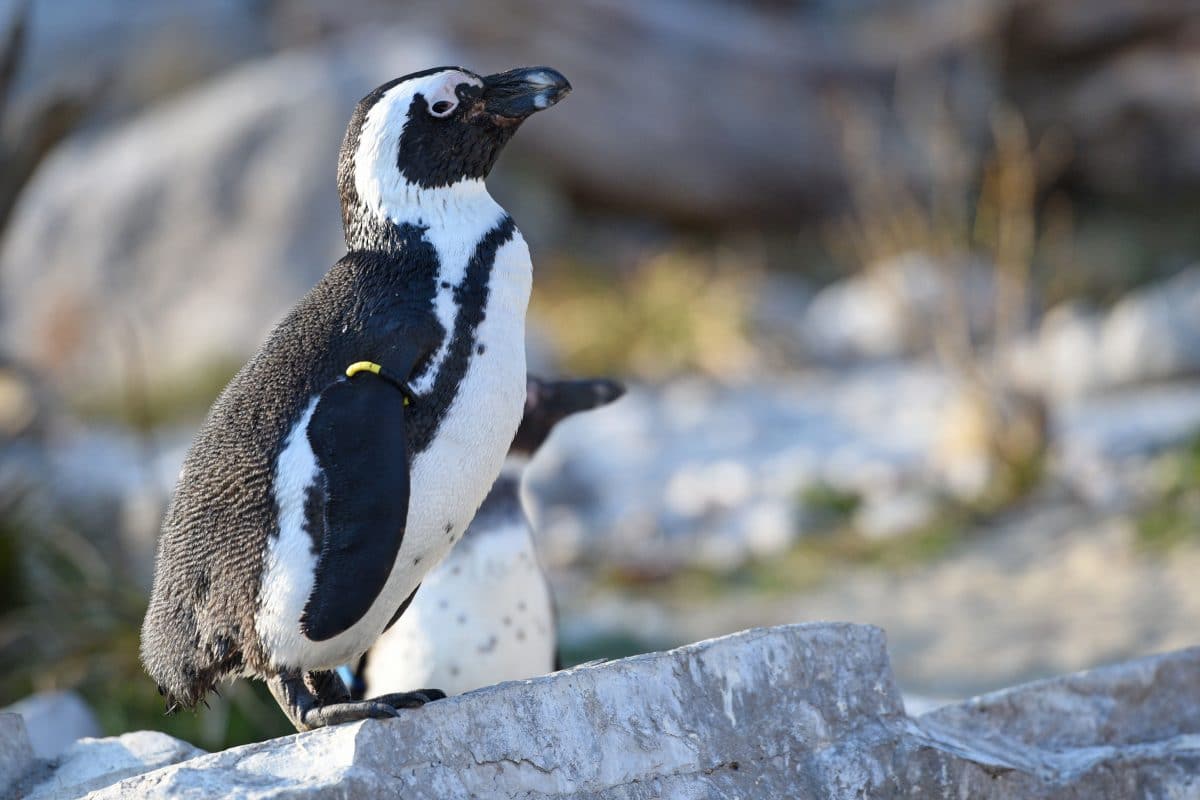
798, 711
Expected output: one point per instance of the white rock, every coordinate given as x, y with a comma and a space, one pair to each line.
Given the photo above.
55, 720
1154, 333
855, 318
892, 309
653, 476
882, 516
1102, 438
16, 753
92, 764
1070, 361
802, 711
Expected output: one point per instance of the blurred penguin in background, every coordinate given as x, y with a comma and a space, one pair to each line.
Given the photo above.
485, 614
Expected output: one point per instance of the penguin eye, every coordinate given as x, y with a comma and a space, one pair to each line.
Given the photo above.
441, 108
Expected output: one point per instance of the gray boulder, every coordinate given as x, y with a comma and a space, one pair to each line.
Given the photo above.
1062, 359
702, 474
1118, 80
802, 711
142, 50
91, 764
1127, 730
16, 753
1154, 333
1151, 334
170, 245
54, 720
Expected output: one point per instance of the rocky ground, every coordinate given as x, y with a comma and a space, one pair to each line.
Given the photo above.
796, 711
1041, 592
833, 474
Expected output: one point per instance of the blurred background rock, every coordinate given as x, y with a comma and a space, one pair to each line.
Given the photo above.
908, 292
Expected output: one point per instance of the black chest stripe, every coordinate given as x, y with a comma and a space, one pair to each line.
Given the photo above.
471, 297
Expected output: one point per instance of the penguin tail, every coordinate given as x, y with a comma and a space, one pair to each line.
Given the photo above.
185, 665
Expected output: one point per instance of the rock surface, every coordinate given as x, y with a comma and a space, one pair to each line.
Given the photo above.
1151, 334
799, 711
700, 474
140, 278
91, 764
16, 753
1154, 333
1043, 591
54, 720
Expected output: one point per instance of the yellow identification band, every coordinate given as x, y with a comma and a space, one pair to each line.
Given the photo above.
362, 366
373, 368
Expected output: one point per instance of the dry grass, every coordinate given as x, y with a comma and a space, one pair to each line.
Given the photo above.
70, 612
673, 313
976, 215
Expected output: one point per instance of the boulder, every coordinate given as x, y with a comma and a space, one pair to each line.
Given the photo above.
1126, 730
1117, 77
91, 764
1151, 334
702, 474
142, 50
1154, 333
55, 720
802, 711
895, 308
219, 210
16, 753
1062, 360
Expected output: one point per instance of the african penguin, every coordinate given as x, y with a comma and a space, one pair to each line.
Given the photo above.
485, 614
346, 458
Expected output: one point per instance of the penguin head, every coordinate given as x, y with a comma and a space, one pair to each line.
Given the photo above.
435, 131
549, 402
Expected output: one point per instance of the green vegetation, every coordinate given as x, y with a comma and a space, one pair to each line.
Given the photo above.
674, 313
830, 505
144, 403
610, 646
1173, 517
69, 619
817, 557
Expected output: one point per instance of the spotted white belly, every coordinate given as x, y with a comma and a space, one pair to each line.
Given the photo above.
483, 616
447, 481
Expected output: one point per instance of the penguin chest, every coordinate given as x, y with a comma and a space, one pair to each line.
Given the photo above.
448, 478
482, 617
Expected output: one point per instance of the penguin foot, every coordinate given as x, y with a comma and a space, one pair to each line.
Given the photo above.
319, 698
337, 713
410, 699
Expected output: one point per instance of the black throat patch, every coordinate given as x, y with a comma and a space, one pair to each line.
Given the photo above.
471, 297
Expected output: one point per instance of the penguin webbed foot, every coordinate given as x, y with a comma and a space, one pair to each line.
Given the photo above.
410, 699
319, 698
337, 713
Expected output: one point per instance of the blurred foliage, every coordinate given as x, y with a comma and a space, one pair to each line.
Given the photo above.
674, 313
981, 210
70, 616
1115, 247
144, 407
1172, 518
818, 557
608, 647
829, 505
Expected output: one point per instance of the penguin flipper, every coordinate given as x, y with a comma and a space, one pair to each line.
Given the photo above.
357, 433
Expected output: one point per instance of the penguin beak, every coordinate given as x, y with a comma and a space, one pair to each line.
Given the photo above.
571, 397
518, 93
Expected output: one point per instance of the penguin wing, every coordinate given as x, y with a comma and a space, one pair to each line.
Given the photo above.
357, 433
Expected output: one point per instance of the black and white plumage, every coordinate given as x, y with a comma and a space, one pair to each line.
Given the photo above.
485, 614
311, 504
